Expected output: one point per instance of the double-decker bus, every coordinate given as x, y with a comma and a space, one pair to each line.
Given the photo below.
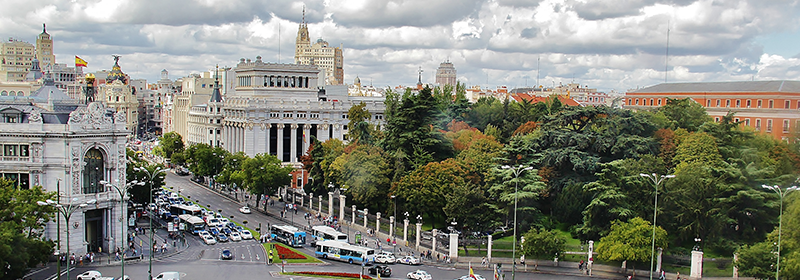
180, 209
192, 224
288, 235
335, 250
321, 233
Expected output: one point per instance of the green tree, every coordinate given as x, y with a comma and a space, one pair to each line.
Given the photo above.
429, 193
360, 130
630, 241
141, 193
757, 260
262, 174
543, 244
684, 113
171, 143
365, 173
22, 221
205, 160
316, 154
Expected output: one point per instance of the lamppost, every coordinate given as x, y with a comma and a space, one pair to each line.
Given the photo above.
151, 176
394, 221
517, 171
123, 192
657, 180
66, 211
781, 194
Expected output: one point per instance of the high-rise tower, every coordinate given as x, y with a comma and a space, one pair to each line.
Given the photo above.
446, 74
329, 59
44, 49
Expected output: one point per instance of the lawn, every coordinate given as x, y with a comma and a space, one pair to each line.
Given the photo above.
276, 257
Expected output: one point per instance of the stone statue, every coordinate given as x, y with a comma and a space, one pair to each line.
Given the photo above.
89, 90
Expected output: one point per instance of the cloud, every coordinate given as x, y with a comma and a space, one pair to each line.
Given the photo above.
385, 13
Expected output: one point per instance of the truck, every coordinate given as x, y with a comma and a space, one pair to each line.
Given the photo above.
168, 275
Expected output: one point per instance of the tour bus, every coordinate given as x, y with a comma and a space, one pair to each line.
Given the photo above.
288, 235
320, 233
335, 250
179, 209
192, 224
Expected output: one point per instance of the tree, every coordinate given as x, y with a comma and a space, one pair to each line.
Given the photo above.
262, 174
360, 129
365, 173
429, 193
630, 241
171, 143
316, 154
684, 113
205, 160
543, 244
141, 193
22, 222
757, 260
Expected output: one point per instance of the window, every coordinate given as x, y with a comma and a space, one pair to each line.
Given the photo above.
786, 105
708, 103
718, 102
738, 103
786, 125
637, 101
747, 122
10, 150
759, 104
20, 179
769, 126
758, 124
93, 171
210, 131
716, 119
728, 103
771, 104
736, 120
748, 103
651, 102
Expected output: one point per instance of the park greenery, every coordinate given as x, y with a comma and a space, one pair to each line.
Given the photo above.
22, 222
441, 156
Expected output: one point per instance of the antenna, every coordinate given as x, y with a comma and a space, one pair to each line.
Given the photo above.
537, 70
279, 34
666, 62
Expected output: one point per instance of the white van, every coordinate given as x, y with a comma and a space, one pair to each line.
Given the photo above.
170, 275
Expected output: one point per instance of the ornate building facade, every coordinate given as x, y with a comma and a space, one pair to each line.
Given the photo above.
15, 60
446, 74
52, 140
121, 97
44, 49
329, 59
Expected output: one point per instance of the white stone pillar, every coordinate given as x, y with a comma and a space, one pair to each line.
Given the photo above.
353, 215
658, 260
302, 200
454, 246
489, 248
391, 227
378, 226
293, 144
342, 199
405, 231
590, 257
735, 268
267, 135
279, 152
306, 137
419, 234
433, 243
330, 204
320, 205
696, 270
366, 212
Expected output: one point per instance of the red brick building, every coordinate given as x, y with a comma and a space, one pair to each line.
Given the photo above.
771, 107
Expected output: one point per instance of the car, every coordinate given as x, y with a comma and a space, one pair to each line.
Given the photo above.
385, 258
223, 221
230, 225
384, 271
204, 233
226, 231
209, 240
238, 228
226, 255
419, 275
213, 222
467, 277
235, 236
245, 210
223, 238
89, 275
213, 231
410, 260
246, 234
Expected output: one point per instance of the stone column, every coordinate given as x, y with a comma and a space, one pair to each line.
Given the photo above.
697, 264
320, 205
306, 137
279, 152
353, 215
433, 243
378, 225
266, 141
302, 200
735, 268
658, 260
330, 204
454, 246
419, 234
405, 231
366, 212
590, 258
293, 143
489, 248
342, 199
310, 202
391, 227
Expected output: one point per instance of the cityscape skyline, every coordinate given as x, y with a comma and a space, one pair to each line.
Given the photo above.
603, 44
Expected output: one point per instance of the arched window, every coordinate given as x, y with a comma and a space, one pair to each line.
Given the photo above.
4, 93
12, 93
93, 171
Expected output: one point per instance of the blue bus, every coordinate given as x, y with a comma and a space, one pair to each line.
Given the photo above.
341, 251
288, 235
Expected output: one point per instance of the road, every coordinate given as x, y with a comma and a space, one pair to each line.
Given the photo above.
201, 261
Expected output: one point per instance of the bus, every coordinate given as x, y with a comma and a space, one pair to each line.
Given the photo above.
180, 209
340, 251
320, 233
192, 224
288, 235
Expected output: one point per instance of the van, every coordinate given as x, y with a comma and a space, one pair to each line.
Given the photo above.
170, 275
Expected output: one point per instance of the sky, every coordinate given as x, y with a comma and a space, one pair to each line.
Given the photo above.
605, 44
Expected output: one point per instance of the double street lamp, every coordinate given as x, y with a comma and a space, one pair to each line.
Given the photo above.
151, 176
517, 171
657, 180
66, 211
123, 192
781, 193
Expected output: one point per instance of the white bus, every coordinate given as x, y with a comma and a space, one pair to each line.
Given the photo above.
321, 233
335, 250
288, 235
192, 224
180, 209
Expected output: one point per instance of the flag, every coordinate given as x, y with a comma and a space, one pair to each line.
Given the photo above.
304, 136
80, 62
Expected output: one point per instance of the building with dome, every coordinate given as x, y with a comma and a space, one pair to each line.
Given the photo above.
330, 60
120, 96
51, 140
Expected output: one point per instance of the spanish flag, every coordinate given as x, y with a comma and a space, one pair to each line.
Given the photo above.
80, 62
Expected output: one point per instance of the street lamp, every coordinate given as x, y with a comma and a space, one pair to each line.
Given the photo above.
123, 192
151, 176
781, 194
66, 211
517, 171
394, 228
657, 180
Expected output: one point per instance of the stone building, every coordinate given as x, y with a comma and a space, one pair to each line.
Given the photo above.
121, 96
329, 59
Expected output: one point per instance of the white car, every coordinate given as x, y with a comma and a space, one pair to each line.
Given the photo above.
467, 277
410, 260
209, 240
245, 210
223, 222
419, 275
235, 236
89, 275
385, 258
246, 234
213, 223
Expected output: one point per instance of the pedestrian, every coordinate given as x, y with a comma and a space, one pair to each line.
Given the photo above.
483, 261
164, 247
679, 276
80, 259
116, 256
72, 260
663, 275
580, 265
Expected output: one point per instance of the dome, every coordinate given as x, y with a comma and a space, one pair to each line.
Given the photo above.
357, 81
116, 73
